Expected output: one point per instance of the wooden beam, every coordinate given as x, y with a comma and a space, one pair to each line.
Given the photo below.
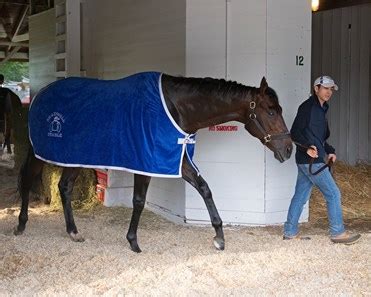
23, 37
20, 2
2, 31
16, 56
6, 20
36, 6
17, 25
19, 21
10, 55
32, 7
16, 2
9, 43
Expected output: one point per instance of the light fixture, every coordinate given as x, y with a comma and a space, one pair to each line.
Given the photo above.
315, 5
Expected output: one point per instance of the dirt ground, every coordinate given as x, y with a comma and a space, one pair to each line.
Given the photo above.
176, 260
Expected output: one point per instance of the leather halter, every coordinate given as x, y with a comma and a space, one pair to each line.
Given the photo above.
267, 137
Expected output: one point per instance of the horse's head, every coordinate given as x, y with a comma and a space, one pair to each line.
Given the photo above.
264, 121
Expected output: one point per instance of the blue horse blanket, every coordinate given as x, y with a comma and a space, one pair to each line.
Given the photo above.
117, 124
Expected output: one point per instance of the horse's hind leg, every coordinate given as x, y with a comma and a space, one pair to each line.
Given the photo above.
191, 176
7, 144
141, 184
8, 133
30, 169
65, 186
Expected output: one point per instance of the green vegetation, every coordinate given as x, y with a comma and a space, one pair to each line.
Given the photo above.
14, 70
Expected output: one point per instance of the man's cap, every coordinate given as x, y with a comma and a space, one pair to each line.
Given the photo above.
326, 81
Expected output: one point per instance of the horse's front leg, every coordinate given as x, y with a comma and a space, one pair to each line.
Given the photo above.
65, 186
190, 175
141, 184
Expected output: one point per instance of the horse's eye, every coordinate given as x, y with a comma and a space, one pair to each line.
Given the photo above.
271, 112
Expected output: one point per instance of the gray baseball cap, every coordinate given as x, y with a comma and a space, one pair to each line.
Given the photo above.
326, 81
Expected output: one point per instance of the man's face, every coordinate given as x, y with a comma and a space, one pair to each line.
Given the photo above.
323, 93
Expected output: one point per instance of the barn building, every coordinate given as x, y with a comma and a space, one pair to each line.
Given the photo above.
240, 40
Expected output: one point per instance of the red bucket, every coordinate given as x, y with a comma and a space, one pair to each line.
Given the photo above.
100, 190
102, 179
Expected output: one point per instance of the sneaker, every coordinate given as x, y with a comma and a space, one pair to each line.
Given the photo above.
346, 238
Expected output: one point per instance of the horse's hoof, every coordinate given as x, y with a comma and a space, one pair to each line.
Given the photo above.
135, 248
17, 232
76, 237
219, 243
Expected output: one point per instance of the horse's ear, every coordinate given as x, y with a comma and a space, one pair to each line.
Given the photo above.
263, 85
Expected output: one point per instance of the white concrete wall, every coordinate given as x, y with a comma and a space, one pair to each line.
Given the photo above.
244, 40
122, 37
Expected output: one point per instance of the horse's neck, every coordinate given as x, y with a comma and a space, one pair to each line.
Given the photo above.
195, 106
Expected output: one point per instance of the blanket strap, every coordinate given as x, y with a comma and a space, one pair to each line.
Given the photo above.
186, 140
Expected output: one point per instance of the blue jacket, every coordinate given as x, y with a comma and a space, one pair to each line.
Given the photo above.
310, 127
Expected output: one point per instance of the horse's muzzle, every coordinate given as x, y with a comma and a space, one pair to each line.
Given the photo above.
284, 154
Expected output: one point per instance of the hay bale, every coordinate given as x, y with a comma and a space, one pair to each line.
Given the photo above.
353, 182
84, 194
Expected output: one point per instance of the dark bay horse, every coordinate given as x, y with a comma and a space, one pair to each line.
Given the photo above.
193, 103
10, 113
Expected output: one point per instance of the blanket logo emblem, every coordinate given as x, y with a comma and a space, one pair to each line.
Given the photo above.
55, 121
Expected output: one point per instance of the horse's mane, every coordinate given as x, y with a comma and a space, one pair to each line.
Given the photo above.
219, 87
215, 87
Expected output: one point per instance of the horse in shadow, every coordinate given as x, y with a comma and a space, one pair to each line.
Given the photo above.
10, 113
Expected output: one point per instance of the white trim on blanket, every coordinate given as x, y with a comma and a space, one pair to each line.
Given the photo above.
181, 141
110, 167
166, 109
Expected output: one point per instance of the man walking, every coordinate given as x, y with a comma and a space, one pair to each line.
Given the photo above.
310, 132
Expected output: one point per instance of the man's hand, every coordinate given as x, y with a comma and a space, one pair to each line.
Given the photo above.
312, 151
332, 157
